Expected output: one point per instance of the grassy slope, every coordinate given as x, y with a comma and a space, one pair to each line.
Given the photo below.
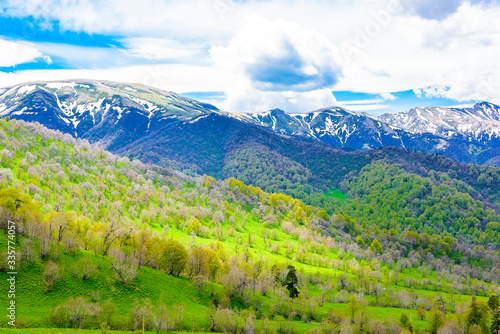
34, 305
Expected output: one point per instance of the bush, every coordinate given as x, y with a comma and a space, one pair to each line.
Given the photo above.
75, 313
51, 275
83, 269
225, 321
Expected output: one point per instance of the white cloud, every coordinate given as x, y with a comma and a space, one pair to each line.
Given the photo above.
171, 77
457, 46
15, 53
356, 102
159, 48
388, 96
250, 99
277, 64
459, 52
431, 92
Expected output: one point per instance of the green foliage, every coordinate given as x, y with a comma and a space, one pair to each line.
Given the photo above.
494, 306
393, 198
421, 313
322, 214
404, 321
376, 246
111, 223
477, 314
75, 313
436, 320
173, 257
291, 282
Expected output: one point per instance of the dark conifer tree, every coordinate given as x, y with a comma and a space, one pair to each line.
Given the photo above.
291, 282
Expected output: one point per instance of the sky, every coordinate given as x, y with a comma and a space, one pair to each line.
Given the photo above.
375, 56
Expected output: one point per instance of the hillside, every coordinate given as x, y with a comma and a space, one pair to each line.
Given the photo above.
101, 234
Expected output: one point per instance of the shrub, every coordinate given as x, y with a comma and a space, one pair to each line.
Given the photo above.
51, 275
75, 313
83, 269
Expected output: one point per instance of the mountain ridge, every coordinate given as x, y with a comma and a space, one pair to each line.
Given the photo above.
115, 115
351, 130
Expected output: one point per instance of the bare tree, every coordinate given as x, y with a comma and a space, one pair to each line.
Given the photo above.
124, 266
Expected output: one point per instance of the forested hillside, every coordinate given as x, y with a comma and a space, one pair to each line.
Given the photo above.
109, 243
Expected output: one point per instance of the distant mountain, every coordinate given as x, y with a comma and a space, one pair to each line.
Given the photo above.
336, 126
469, 135
120, 116
480, 123
109, 113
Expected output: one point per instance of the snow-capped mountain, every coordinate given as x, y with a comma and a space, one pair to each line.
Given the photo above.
479, 123
467, 135
334, 125
118, 115
98, 110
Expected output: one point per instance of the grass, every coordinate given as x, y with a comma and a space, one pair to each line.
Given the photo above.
336, 193
61, 331
34, 305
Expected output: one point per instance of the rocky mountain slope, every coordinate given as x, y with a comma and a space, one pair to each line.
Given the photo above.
479, 123
469, 135
105, 112
334, 125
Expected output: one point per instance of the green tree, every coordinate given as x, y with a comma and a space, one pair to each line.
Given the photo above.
376, 247
322, 214
173, 257
477, 314
435, 320
291, 282
494, 305
421, 313
360, 241
404, 321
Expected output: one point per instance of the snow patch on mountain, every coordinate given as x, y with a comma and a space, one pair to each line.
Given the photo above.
26, 89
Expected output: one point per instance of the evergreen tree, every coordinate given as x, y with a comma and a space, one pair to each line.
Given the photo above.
404, 321
494, 305
291, 282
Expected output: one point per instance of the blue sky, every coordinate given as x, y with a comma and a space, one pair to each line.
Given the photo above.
364, 55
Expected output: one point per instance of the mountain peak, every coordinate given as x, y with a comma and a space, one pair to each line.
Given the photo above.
277, 111
82, 107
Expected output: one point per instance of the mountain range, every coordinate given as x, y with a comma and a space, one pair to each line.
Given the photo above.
470, 135
122, 117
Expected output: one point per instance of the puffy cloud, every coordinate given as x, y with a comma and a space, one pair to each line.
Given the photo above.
278, 64
432, 91
250, 99
388, 96
122, 17
14, 53
470, 27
